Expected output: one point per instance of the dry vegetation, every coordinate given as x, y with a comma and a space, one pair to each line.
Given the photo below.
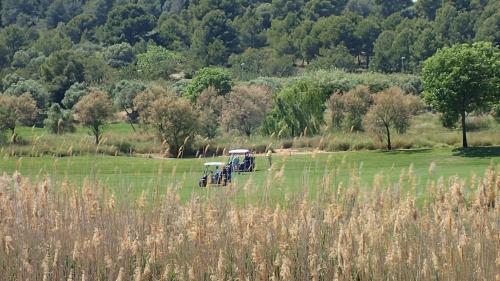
59, 233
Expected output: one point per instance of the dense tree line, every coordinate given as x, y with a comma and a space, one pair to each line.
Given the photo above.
60, 51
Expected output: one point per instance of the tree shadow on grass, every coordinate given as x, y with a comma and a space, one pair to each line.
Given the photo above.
479, 151
406, 151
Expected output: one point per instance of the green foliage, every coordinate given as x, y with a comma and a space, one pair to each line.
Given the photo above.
214, 39
119, 55
93, 111
31, 87
337, 57
216, 77
461, 79
255, 63
74, 94
298, 110
129, 23
158, 62
59, 121
61, 70
124, 93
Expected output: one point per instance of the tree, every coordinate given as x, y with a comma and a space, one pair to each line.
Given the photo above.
74, 94
59, 121
61, 70
246, 108
298, 110
158, 62
81, 26
173, 118
119, 55
124, 93
31, 87
129, 23
461, 79
391, 109
389, 7
209, 105
93, 110
335, 57
16, 110
214, 39
264, 62
346, 111
384, 59
217, 77
173, 33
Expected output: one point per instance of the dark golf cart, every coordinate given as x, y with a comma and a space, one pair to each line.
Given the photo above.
215, 173
242, 160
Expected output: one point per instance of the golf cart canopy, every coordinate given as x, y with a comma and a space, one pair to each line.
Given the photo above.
214, 164
239, 151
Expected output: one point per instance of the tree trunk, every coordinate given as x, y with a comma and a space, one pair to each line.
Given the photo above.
129, 118
389, 147
464, 131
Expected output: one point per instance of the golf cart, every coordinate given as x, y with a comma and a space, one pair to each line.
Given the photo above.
215, 173
242, 160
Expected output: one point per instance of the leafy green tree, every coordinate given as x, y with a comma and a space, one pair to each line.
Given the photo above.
283, 8
174, 33
279, 36
366, 32
389, 7
173, 118
214, 39
13, 39
363, 8
32, 88
251, 29
124, 93
461, 79
158, 62
59, 121
428, 8
384, 59
100, 9
335, 57
93, 111
61, 70
74, 94
119, 55
488, 22
264, 62
52, 41
81, 26
22, 58
129, 23
16, 110
316, 9
298, 110
62, 11
216, 77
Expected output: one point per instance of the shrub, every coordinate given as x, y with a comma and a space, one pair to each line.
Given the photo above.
217, 77
59, 121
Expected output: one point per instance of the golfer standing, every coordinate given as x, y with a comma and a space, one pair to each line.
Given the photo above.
269, 158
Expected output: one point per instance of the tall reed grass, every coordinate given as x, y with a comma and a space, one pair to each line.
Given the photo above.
57, 232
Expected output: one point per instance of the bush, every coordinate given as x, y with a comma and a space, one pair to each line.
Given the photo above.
477, 122
59, 121
217, 77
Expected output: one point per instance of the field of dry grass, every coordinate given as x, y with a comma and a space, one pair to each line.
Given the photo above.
55, 232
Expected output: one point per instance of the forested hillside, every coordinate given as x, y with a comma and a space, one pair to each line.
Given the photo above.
125, 54
57, 43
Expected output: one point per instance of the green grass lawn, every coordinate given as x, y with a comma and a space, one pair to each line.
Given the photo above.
128, 177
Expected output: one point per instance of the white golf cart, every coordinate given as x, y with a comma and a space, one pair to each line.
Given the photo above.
215, 173
241, 160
